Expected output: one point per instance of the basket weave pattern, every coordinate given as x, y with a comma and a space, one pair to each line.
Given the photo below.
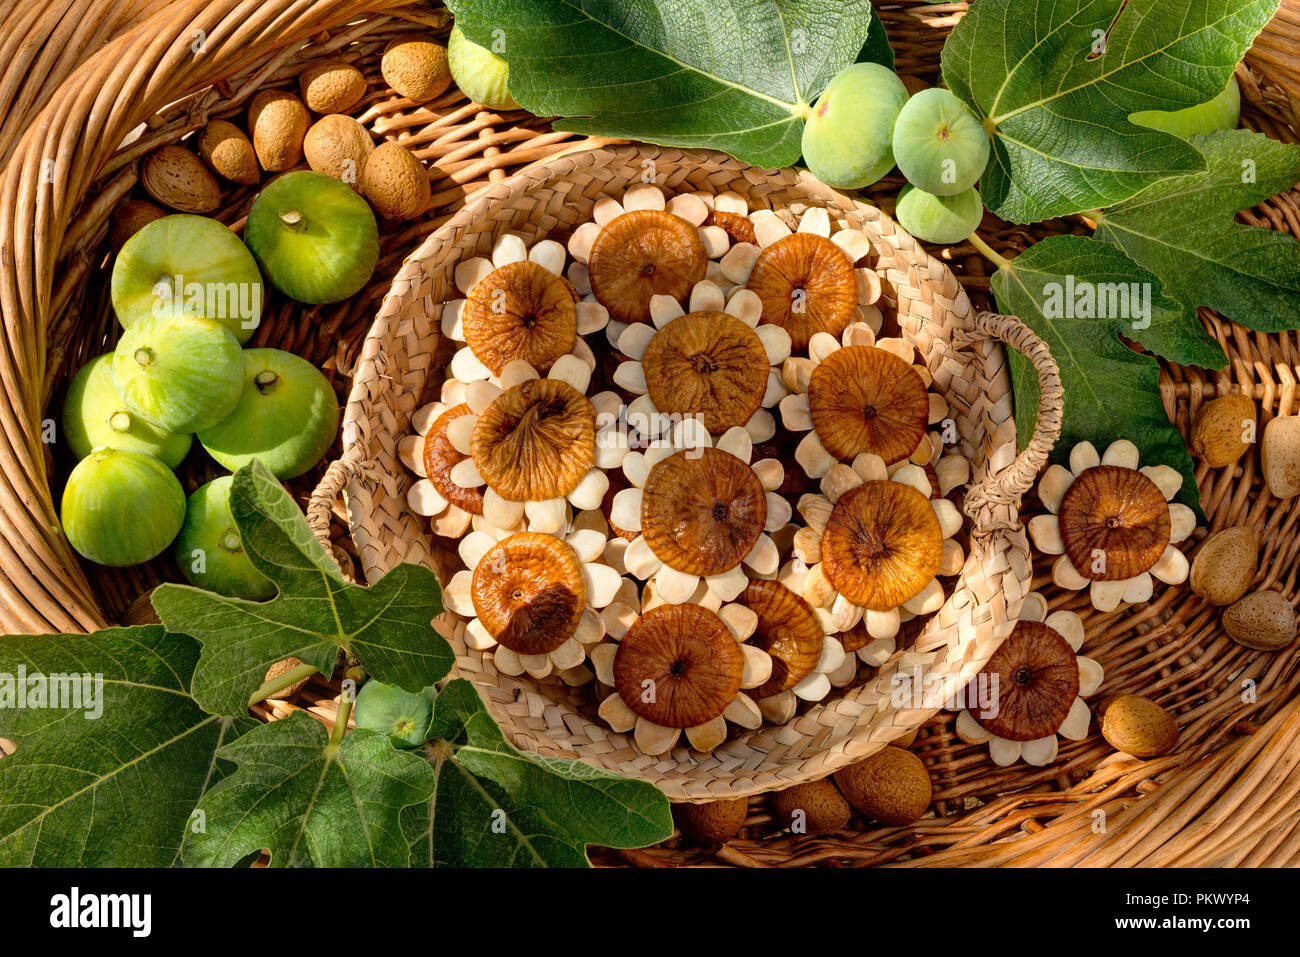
78, 76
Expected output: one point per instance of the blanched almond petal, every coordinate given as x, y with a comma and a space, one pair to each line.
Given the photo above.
845, 673
744, 712
1090, 676
915, 476
1171, 567
938, 409
778, 708
1068, 625
632, 343
1106, 596
1052, 486
615, 712
591, 628
1182, 522
763, 557
869, 292
410, 450
761, 426
1045, 533
550, 256
832, 655
618, 618
675, 587
1084, 456
614, 331
821, 345
970, 730
716, 241
606, 210
450, 395
689, 207
776, 343
1065, 575
579, 275
1004, 753
770, 472
643, 196
625, 511
858, 334
466, 367
1040, 751
882, 624
469, 272
899, 347
927, 601
451, 320
949, 517
507, 662
452, 523
953, 559
425, 499
779, 513
776, 390
816, 511
705, 737
643, 418
817, 589
1138, 589
838, 480
501, 512
581, 241
664, 309
815, 220
731, 202
460, 431
728, 585
509, 249
1168, 480
631, 376
737, 264
516, 372
1033, 608
768, 229
477, 637
602, 584
457, 596
652, 738
479, 395
871, 468
796, 372
576, 677
854, 242
813, 688
1075, 725
473, 547
812, 456
572, 370
602, 662
657, 452
953, 471
796, 414
423, 418
549, 516
808, 545
758, 666
590, 490
1123, 453
568, 655
737, 441
691, 433
707, 296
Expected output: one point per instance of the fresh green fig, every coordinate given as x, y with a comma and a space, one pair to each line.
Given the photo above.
403, 716
315, 237
939, 144
480, 73
121, 508
181, 373
95, 416
287, 416
847, 141
944, 220
1221, 113
209, 550
190, 264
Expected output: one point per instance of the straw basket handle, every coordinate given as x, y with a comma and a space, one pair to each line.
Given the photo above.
992, 503
321, 505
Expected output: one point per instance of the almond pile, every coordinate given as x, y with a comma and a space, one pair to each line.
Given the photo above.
683, 467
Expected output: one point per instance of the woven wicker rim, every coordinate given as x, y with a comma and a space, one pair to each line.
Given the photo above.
398, 367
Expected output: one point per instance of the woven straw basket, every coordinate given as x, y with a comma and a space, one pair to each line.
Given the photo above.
88, 87
398, 373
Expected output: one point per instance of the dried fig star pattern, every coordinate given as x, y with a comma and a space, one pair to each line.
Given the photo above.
440, 458
520, 311
807, 285
529, 592
787, 630
642, 254
864, 399
535, 441
708, 364
1114, 523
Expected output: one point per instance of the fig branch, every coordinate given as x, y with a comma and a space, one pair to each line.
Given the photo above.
987, 251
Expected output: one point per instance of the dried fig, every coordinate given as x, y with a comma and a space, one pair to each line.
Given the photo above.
1037, 682
678, 666
735, 225
787, 630
1114, 523
882, 544
702, 510
865, 399
520, 311
535, 441
440, 457
529, 592
644, 253
807, 285
708, 364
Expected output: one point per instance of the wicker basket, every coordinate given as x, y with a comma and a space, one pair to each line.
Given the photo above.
398, 373
80, 76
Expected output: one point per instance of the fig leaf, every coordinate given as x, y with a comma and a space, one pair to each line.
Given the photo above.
722, 74
497, 806
1056, 81
111, 778
316, 614
1184, 229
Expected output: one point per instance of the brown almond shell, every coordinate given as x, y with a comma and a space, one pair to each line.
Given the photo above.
882, 544
702, 510
1114, 522
678, 666
520, 311
708, 364
529, 592
865, 399
535, 441
645, 253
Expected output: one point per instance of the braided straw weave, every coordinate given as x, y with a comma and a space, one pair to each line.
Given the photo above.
87, 87
398, 372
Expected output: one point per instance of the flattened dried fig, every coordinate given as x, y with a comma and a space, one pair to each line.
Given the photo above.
520, 311
882, 545
702, 510
644, 253
678, 666
535, 441
865, 399
529, 592
440, 457
807, 285
787, 630
1114, 523
736, 225
1037, 681
708, 364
